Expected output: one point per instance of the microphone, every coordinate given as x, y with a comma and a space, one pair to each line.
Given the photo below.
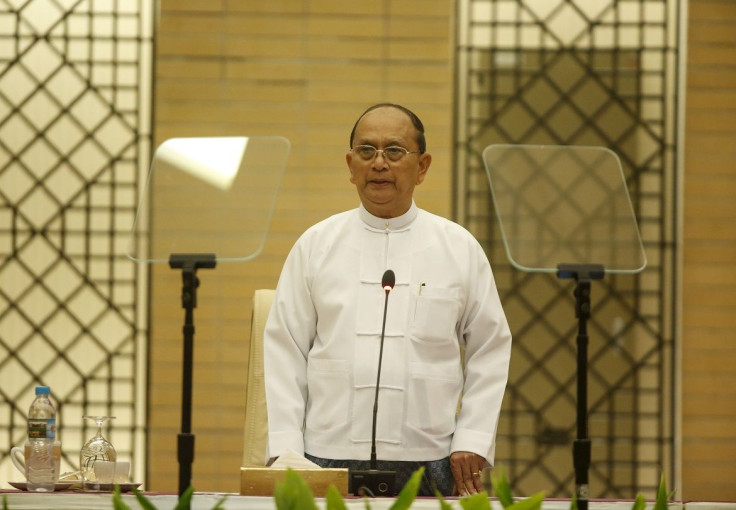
374, 482
388, 281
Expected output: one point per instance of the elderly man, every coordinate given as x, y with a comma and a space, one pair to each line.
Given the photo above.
322, 338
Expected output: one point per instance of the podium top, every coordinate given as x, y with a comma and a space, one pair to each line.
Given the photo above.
210, 195
563, 205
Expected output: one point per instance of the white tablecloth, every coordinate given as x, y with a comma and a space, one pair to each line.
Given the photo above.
204, 501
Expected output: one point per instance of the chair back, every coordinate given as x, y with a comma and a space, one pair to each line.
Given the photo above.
255, 433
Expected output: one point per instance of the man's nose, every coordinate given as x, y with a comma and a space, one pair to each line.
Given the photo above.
382, 164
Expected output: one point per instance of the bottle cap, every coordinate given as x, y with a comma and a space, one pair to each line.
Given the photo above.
42, 390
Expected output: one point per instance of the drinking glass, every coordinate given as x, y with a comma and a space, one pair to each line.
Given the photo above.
97, 448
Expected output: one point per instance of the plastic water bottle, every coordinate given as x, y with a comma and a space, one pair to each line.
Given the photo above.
41, 436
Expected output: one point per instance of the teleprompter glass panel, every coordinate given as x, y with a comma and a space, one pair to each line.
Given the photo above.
563, 205
209, 195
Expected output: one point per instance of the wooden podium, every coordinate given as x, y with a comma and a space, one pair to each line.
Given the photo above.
260, 481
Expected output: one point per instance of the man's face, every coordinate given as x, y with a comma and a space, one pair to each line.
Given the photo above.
386, 187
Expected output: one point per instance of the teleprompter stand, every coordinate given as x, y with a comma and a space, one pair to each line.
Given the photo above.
188, 263
583, 275
205, 196
567, 210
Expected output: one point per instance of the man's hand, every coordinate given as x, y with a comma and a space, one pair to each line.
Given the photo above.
466, 468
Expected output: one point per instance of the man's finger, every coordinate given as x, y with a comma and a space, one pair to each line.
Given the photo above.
457, 474
477, 479
468, 479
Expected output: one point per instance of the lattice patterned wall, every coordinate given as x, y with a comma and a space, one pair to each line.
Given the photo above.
576, 72
75, 94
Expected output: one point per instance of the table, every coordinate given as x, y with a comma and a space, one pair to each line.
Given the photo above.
18, 500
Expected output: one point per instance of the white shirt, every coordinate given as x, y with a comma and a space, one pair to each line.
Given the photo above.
322, 341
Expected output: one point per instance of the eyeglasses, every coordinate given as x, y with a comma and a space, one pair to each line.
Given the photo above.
393, 153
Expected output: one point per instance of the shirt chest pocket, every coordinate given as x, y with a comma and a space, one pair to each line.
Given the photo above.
435, 315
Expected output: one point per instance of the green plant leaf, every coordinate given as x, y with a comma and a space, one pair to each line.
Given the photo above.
533, 502
574, 502
143, 501
501, 487
640, 503
280, 497
293, 493
478, 501
117, 500
444, 505
5, 502
409, 492
661, 503
185, 499
334, 499
220, 503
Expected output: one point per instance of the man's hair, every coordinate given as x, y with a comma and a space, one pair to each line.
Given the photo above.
421, 140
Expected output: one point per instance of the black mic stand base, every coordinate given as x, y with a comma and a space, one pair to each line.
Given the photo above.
373, 483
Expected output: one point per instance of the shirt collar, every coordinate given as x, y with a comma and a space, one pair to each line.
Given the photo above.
398, 223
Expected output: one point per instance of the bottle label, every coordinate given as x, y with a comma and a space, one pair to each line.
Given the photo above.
41, 429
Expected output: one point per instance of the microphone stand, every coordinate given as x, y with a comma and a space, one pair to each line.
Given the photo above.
374, 462
188, 263
374, 482
583, 274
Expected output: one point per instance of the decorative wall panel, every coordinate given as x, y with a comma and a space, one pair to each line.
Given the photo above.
584, 73
75, 94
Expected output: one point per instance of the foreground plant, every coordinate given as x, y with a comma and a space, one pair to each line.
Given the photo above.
183, 503
502, 489
294, 493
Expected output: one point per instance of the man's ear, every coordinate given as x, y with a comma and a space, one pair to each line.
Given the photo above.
424, 161
348, 159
